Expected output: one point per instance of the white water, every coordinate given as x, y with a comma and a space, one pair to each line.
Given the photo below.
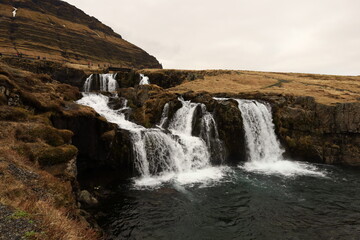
264, 150
14, 12
260, 136
144, 80
164, 116
103, 82
162, 156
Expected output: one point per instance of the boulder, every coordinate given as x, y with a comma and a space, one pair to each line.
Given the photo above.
86, 198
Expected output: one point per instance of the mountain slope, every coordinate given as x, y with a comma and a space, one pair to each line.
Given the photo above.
58, 31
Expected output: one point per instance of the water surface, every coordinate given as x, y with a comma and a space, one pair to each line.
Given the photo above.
241, 205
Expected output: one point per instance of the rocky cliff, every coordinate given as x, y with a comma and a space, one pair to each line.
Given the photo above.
316, 132
57, 31
38, 162
317, 116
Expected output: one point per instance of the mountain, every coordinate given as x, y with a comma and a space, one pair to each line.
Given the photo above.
57, 31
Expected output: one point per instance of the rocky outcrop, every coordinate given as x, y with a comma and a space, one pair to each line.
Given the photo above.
322, 133
229, 123
315, 132
231, 132
103, 148
38, 161
147, 103
127, 79
55, 71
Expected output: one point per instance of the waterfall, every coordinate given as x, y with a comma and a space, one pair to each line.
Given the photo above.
144, 80
164, 116
102, 82
164, 154
262, 143
264, 150
209, 132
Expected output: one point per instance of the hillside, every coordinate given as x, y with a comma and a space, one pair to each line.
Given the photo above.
57, 31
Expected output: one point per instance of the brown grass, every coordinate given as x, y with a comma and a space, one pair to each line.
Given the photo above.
53, 52
23, 136
326, 89
47, 199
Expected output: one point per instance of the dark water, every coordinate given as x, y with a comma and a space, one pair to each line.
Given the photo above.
242, 206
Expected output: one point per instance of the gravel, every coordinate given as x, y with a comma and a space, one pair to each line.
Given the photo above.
16, 225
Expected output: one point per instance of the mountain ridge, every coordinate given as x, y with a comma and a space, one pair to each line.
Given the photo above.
58, 31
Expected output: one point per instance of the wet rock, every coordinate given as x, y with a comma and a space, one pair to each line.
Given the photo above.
147, 103
86, 198
230, 126
128, 79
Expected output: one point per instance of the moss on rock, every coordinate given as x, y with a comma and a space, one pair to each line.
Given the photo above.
8, 113
50, 135
55, 155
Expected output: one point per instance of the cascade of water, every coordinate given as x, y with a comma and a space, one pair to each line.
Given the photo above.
103, 82
210, 134
164, 116
262, 143
87, 84
264, 150
158, 152
144, 80
183, 118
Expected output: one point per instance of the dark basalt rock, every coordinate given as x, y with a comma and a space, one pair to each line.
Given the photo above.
320, 133
128, 79
230, 126
102, 148
55, 71
229, 123
147, 103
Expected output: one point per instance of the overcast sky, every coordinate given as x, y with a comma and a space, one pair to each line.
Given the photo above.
314, 36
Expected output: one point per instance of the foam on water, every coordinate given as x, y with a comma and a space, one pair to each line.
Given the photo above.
204, 176
284, 167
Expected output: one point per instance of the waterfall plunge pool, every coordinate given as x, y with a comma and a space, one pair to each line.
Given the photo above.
240, 205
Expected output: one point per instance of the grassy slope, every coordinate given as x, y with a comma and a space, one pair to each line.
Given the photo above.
26, 134
326, 89
44, 34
